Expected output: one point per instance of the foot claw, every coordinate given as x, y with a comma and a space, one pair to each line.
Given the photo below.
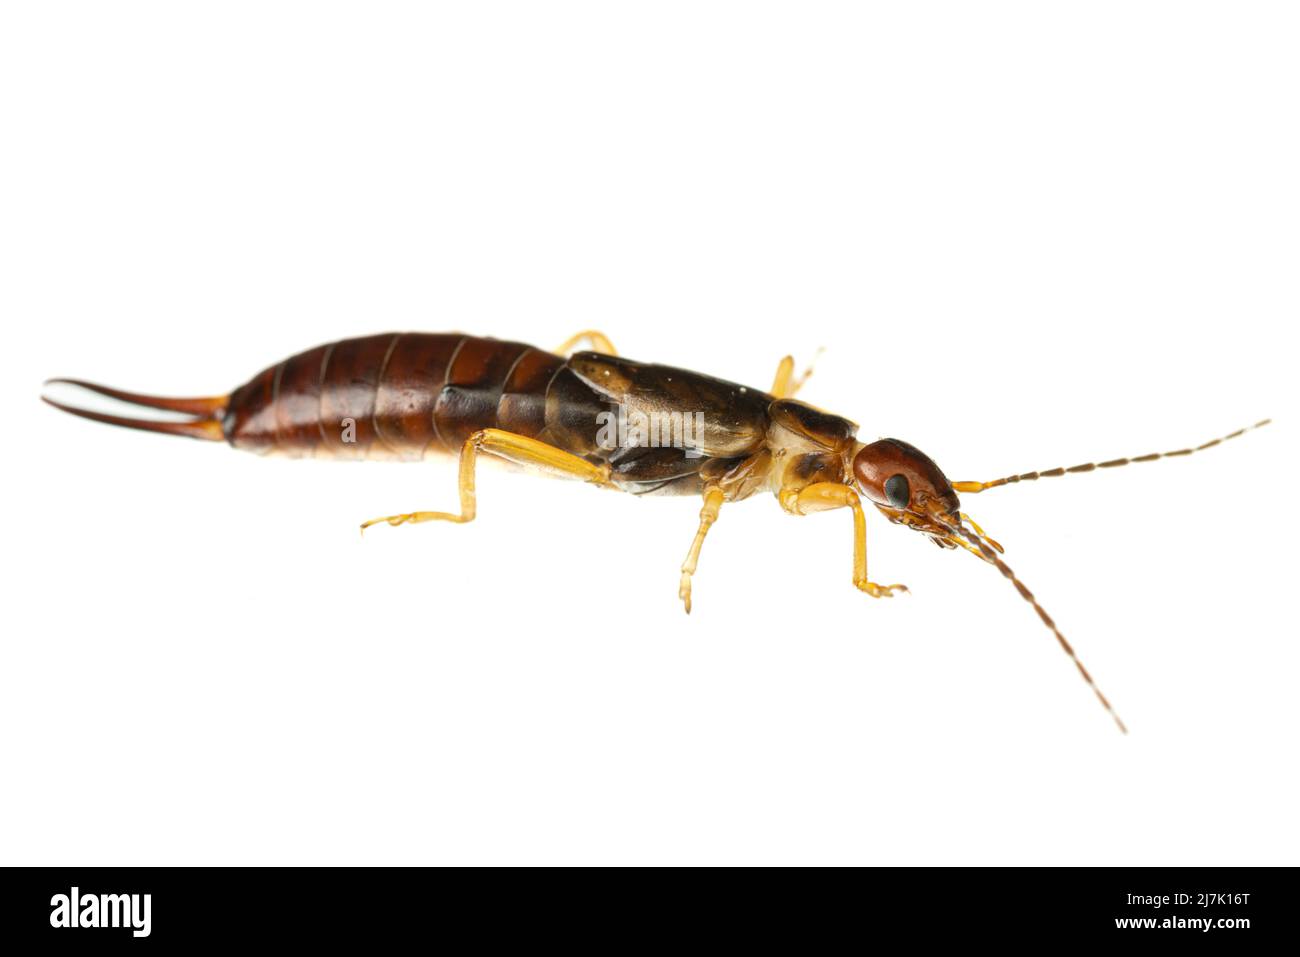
881, 591
391, 520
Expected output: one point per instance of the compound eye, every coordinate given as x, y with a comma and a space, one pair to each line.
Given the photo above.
898, 491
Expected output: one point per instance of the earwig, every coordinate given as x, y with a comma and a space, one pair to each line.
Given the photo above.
403, 395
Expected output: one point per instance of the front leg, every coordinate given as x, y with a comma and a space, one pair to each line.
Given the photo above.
823, 496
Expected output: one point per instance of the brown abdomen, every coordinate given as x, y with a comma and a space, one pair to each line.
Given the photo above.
396, 395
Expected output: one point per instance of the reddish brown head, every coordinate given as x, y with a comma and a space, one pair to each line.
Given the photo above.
906, 485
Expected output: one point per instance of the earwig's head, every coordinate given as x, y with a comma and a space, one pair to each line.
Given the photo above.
906, 485
909, 488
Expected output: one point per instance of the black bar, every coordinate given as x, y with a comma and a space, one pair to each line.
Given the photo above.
1225, 907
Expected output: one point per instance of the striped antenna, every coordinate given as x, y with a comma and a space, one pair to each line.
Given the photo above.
973, 487
988, 554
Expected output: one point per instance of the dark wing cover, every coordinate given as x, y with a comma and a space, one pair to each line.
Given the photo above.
698, 419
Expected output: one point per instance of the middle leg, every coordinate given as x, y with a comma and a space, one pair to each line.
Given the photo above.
713, 497
784, 384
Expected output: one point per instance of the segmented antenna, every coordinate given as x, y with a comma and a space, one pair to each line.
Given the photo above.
992, 558
973, 487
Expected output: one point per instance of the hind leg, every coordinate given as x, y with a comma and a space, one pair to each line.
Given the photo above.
598, 341
513, 447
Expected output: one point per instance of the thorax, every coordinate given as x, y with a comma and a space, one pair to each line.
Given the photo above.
807, 446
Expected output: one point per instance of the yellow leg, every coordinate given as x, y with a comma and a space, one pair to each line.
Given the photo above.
708, 515
785, 385
784, 373
515, 448
822, 496
598, 341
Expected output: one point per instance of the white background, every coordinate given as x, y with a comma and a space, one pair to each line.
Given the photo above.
1028, 235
